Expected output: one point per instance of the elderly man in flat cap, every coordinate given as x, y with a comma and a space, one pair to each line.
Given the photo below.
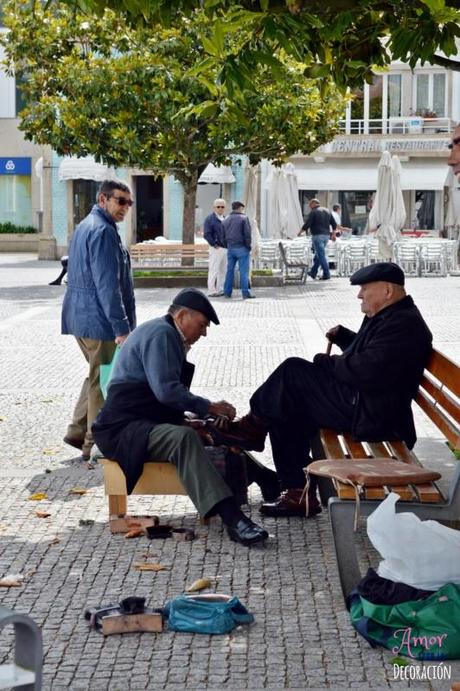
365, 391
143, 415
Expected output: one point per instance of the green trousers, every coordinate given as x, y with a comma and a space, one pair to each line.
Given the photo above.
90, 401
181, 446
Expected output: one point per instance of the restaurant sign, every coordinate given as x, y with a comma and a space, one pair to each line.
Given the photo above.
406, 145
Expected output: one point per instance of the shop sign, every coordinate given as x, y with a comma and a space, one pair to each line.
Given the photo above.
349, 145
15, 166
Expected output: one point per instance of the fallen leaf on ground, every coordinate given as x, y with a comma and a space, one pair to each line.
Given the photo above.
135, 532
2, 419
42, 514
86, 521
49, 452
150, 566
200, 584
38, 496
78, 490
56, 541
11, 580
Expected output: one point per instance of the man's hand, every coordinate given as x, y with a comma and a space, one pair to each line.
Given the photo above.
119, 340
332, 333
222, 409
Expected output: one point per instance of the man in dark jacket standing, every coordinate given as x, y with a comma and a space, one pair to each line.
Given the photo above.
237, 237
319, 221
143, 415
366, 391
214, 236
99, 306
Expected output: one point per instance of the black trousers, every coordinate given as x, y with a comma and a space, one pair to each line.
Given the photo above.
297, 399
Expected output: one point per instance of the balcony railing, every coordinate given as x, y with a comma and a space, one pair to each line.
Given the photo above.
398, 125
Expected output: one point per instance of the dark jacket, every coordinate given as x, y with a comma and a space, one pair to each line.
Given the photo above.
237, 230
213, 231
384, 363
99, 300
319, 220
121, 429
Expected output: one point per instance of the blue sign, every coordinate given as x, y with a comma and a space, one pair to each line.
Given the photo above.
15, 166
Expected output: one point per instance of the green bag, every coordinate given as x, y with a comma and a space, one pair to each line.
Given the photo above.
105, 372
422, 629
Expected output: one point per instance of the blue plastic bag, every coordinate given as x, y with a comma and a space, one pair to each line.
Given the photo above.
206, 614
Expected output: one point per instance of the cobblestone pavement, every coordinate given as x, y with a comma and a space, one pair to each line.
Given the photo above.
302, 638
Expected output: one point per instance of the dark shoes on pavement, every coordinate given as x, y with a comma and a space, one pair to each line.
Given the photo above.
292, 502
246, 532
76, 443
248, 433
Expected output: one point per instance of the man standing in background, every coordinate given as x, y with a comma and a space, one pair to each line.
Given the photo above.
318, 222
213, 234
99, 306
237, 238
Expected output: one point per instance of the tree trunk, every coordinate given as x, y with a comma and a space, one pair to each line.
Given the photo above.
189, 185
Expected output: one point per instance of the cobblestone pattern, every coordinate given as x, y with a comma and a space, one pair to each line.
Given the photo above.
302, 638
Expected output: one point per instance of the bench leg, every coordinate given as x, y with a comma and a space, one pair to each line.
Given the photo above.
118, 504
342, 514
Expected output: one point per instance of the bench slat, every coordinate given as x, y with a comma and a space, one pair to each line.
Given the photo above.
447, 427
444, 400
378, 449
331, 444
355, 448
445, 370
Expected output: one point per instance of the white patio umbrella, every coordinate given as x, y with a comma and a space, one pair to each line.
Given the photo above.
285, 215
295, 217
399, 208
381, 217
250, 196
452, 220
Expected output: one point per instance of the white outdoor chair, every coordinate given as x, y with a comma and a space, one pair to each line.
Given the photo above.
407, 256
354, 257
269, 254
433, 259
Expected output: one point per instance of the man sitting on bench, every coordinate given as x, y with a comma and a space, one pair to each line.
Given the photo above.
365, 391
142, 418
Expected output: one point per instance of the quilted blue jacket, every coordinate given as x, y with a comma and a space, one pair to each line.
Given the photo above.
99, 300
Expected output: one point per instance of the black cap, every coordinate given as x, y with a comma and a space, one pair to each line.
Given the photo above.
196, 300
381, 271
237, 205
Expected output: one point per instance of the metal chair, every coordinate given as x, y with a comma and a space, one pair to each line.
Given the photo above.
269, 254
294, 271
355, 256
407, 256
433, 259
25, 673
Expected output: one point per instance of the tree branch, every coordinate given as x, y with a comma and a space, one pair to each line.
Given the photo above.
446, 62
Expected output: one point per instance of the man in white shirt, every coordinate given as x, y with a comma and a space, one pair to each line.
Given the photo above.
213, 234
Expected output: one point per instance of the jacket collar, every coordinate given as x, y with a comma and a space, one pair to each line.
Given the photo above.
102, 212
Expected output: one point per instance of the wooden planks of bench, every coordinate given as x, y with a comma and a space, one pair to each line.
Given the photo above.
438, 397
170, 255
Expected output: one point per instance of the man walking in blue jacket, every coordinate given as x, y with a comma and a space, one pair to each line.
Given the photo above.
237, 235
99, 306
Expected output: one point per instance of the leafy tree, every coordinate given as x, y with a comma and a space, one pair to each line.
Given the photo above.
129, 95
339, 39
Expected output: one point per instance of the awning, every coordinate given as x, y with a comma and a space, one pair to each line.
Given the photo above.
361, 174
216, 174
73, 168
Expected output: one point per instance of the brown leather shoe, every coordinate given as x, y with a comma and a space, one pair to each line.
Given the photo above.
292, 502
248, 433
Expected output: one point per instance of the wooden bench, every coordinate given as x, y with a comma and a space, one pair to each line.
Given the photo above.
169, 256
438, 397
156, 478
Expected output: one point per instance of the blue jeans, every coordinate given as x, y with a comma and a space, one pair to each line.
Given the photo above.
319, 243
240, 255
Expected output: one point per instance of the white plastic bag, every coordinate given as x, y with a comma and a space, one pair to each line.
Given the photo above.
423, 554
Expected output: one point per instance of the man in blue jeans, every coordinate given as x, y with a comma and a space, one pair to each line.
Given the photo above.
237, 237
319, 221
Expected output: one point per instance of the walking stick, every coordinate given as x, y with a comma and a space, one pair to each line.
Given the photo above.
329, 348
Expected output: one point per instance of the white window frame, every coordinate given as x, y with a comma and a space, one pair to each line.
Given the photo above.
430, 76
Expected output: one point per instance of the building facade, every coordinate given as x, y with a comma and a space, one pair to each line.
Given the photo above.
407, 112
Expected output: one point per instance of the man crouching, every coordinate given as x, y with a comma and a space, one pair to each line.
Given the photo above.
142, 418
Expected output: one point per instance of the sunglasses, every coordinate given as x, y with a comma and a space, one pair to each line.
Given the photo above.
122, 201
220, 207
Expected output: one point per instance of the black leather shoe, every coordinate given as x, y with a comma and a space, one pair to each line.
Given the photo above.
76, 443
246, 532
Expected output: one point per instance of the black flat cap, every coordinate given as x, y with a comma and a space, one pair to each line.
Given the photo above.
196, 300
382, 271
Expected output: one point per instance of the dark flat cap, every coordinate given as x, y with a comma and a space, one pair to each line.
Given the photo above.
196, 300
382, 271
